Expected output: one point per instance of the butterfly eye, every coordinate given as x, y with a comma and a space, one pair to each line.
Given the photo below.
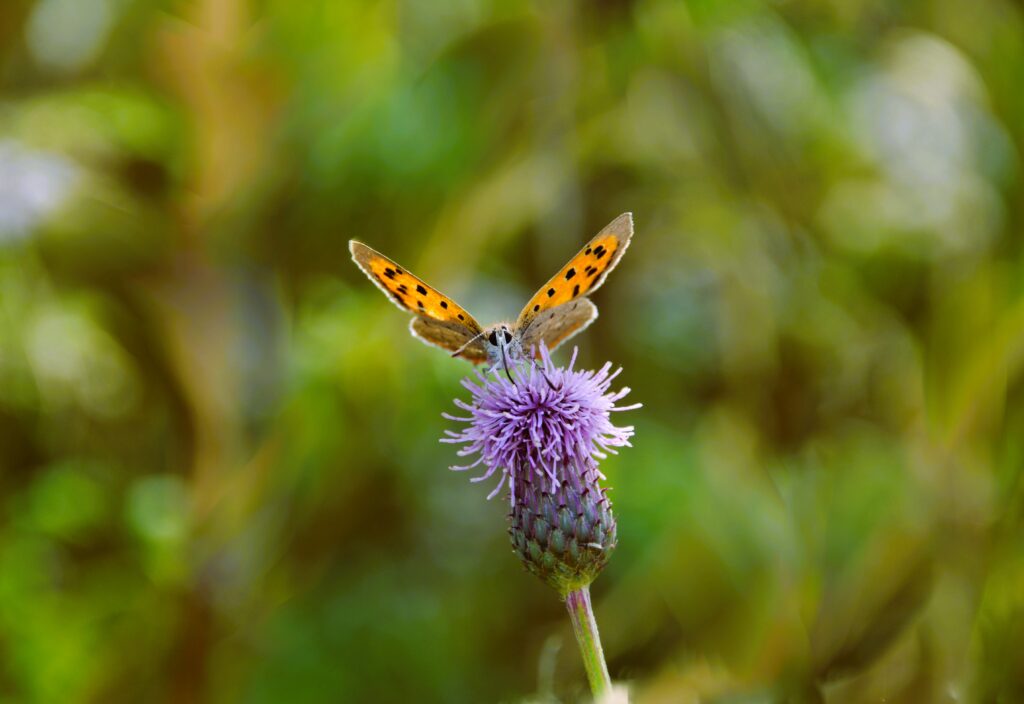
508, 335
493, 337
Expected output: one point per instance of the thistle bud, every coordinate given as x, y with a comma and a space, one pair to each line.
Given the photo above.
545, 430
564, 536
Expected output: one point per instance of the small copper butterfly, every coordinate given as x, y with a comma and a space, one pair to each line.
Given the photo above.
558, 310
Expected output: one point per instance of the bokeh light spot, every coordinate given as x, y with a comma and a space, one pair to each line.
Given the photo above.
66, 35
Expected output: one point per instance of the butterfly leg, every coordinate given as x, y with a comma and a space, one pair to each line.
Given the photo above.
540, 368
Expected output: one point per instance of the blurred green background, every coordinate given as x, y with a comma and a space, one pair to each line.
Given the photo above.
220, 478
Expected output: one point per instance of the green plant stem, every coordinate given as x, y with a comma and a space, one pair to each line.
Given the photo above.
585, 627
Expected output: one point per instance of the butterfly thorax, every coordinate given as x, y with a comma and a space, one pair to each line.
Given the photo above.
504, 348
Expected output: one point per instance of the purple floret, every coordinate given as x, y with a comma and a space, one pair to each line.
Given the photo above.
547, 422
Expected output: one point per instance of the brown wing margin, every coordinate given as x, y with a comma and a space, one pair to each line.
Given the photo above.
451, 337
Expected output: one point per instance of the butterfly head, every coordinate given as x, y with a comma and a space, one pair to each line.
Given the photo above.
503, 346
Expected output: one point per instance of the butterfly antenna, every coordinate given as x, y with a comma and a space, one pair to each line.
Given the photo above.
468, 342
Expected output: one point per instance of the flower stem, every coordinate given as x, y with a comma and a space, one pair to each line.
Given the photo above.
585, 627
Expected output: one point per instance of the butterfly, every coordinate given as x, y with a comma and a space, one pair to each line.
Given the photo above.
558, 310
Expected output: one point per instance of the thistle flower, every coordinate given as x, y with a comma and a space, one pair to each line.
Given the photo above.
544, 430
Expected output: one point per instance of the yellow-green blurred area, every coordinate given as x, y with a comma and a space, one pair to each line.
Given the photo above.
220, 476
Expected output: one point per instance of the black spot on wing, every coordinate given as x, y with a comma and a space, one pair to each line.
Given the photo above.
420, 290
398, 297
576, 290
569, 274
444, 304
551, 292
537, 307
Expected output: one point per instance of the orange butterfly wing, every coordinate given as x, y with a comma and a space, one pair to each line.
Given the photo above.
584, 273
410, 293
554, 326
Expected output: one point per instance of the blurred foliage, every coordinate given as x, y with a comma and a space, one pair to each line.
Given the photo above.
219, 471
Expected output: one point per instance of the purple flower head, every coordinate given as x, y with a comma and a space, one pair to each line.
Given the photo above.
546, 423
